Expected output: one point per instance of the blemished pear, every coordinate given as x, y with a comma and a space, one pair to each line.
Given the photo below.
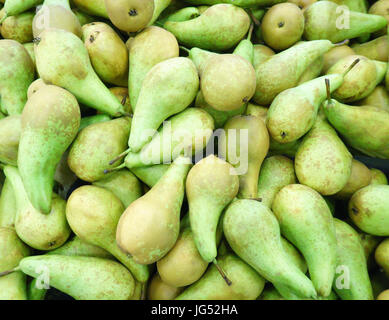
18, 28
159, 290
150, 226
15, 7
10, 128
211, 185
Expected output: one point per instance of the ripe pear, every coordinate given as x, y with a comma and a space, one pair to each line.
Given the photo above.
302, 4
382, 255
253, 233
384, 295
321, 152
247, 284
377, 49
83, 17
208, 30
87, 121
261, 54
283, 70
7, 205
200, 58
159, 290
169, 88
73, 70
245, 145
327, 20
16, 75
377, 177
19, 27
313, 71
95, 145
108, 53
35, 86
50, 122
56, 14
369, 210
150, 226
15, 7
30, 222
276, 173
30, 50
228, 73
121, 93
183, 14
379, 98
10, 128
334, 55
381, 8
352, 280
150, 175
93, 214
240, 3
92, 7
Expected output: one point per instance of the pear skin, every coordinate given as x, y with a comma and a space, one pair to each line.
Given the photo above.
121, 93
150, 175
377, 49
240, 3
15, 7
201, 58
261, 54
384, 295
87, 121
35, 86
92, 7
378, 98
7, 205
378, 177
382, 255
159, 290
313, 71
18, 28
334, 55
10, 128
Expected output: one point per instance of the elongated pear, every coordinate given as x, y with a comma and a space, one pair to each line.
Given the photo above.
91, 208
92, 7
150, 226
253, 233
313, 71
247, 284
307, 222
159, 7
7, 205
245, 145
334, 55
321, 152
200, 58
50, 122
148, 48
276, 173
208, 31
377, 49
16, 75
352, 279
283, 70
10, 128
73, 71
326, 20
211, 185
150, 175
14, 7
18, 28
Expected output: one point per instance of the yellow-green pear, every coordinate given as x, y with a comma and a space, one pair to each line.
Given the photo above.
159, 290
378, 177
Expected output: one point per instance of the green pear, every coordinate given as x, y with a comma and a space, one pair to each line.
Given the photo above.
50, 122
380, 7
12, 250
382, 255
35, 86
377, 177
313, 71
180, 15
159, 7
334, 55
283, 70
286, 149
247, 284
159, 290
73, 72
369, 244
7, 205
365, 128
92, 7
15, 7
208, 31
150, 175
245, 48
327, 20
352, 280
30, 50
107, 52
150, 226
379, 98
377, 49
261, 54
211, 185
148, 48
276, 173
245, 145
369, 210
30, 222
93, 214
253, 233
200, 58
87, 121
294, 255
321, 152
64, 177
96, 145
307, 222
240, 3
83, 278
10, 128
384, 295
16, 75
83, 17
169, 88
19, 27
121, 93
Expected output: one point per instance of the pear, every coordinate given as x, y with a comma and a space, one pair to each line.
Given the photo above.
35, 86
353, 281
50, 122
92, 7
261, 54
83, 17
294, 255
159, 7
30, 50
15, 7
83, 278
96, 145
121, 93
169, 88
73, 72
334, 55
150, 175
149, 227
313, 71
361, 80
247, 284
148, 48
369, 244
382, 255
186, 13
378, 98
245, 145
108, 53
369, 210
7, 205
10, 128
381, 8
64, 177
276, 173
87, 121
377, 177
16, 75
228, 73
159, 290
200, 58
91, 208
253, 233
384, 295
19, 27
377, 49
321, 152
30, 222
283, 70
56, 14
360, 177
286, 149
211, 185
327, 20
12, 250
245, 48
257, 111
240, 3
208, 30
365, 128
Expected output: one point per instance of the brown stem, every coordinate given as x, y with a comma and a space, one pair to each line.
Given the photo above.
253, 18
222, 273
355, 62
250, 33
120, 156
106, 171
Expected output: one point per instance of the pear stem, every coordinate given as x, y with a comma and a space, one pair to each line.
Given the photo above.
106, 171
250, 33
120, 156
342, 43
2, 274
185, 49
355, 62
126, 114
253, 18
328, 90
222, 273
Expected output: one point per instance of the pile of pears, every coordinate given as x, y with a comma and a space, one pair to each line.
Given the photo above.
194, 149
